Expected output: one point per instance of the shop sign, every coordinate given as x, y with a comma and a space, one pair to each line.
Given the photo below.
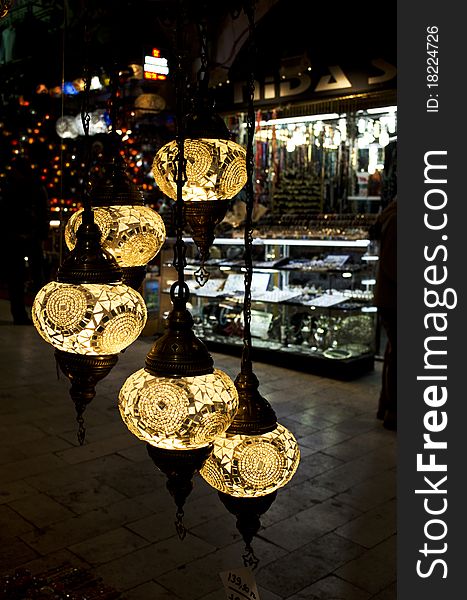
313, 84
155, 66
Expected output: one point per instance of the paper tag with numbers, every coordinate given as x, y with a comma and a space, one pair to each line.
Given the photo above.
240, 584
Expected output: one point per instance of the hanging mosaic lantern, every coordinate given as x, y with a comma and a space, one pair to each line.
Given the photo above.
66, 127
215, 168
88, 315
88, 318
131, 232
178, 401
256, 455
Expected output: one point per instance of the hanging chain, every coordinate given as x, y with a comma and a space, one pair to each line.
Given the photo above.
85, 120
85, 114
80, 407
203, 70
81, 434
201, 275
113, 100
248, 234
179, 261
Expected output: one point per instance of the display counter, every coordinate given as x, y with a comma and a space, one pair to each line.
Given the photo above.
312, 302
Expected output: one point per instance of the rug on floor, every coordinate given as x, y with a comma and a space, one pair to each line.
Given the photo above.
61, 583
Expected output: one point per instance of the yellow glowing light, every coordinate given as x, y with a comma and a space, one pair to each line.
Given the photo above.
178, 413
93, 319
215, 169
132, 234
252, 465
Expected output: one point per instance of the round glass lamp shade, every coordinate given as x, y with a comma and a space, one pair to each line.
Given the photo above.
178, 413
92, 319
215, 169
247, 466
66, 127
132, 234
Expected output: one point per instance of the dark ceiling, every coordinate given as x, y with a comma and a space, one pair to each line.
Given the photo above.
328, 32
120, 30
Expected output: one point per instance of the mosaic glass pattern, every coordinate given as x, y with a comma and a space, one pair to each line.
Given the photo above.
215, 169
252, 465
178, 413
132, 234
92, 319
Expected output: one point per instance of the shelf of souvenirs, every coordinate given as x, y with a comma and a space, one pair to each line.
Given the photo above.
324, 265
341, 230
335, 353
309, 295
325, 227
238, 240
331, 264
310, 335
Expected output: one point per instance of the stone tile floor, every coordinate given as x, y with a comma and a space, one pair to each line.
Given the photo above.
330, 534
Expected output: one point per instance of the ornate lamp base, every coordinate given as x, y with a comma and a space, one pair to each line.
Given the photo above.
248, 512
202, 218
180, 467
84, 371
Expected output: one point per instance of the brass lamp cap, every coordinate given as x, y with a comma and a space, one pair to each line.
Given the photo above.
115, 188
255, 415
178, 352
203, 122
88, 262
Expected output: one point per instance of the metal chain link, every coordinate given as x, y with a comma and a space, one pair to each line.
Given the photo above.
179, 261
85, 110
179, 525
203, 70
249, 558
248, 234
85, 120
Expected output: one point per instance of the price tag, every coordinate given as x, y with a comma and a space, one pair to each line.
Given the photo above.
240, 584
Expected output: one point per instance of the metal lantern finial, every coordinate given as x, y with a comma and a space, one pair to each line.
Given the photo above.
248, 512
179, 466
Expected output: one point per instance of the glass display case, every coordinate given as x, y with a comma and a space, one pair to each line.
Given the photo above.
312, 301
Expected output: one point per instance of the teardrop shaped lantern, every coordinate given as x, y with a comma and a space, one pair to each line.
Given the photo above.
178, 403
